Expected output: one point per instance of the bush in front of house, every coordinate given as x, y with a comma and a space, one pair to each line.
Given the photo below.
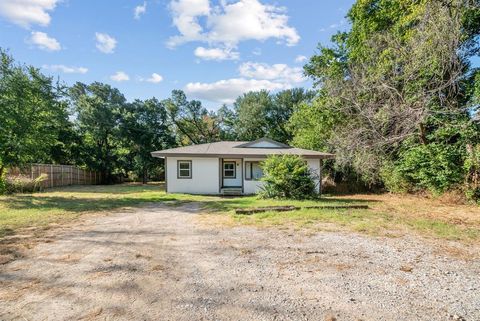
287, 176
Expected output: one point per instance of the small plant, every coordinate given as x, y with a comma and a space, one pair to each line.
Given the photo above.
24, 184
288, 176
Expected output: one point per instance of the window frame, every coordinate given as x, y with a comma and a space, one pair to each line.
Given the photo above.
234, 169
251, 170
189, 162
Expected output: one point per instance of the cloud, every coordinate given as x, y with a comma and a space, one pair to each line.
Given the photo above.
66, 69
216, 54
277, 72
154, 78
119, 76
300, 58
253, 77
27, 12
230, 22
257, 51
44, 42
226, 91
105, 43
140, 10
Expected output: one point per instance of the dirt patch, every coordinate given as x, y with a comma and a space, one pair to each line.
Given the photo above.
160, 263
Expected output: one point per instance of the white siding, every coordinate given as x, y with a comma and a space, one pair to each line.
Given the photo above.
205, 176
237, 181
314, 165
251, 186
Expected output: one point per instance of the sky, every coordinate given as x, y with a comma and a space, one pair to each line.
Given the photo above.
214, 50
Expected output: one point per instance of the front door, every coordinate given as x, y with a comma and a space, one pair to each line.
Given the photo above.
232, 172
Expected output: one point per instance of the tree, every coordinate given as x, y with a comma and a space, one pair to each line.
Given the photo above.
261, 114
396, 78
97, 108
144, 128
30, 113
194, 123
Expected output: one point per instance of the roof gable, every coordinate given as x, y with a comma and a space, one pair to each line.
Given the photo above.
263, 143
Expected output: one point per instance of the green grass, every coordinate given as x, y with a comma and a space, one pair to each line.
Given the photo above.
65, 204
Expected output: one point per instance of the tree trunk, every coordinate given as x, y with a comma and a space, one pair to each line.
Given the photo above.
2, 169
422, 135
144, 178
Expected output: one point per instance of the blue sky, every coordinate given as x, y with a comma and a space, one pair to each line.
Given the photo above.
212, 49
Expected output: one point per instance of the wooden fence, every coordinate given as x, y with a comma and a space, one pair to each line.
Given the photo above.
58, 175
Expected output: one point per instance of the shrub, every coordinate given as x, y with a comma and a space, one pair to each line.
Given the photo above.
287, 176
3, 184
24, 184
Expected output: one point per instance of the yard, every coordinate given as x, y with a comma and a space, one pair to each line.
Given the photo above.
131, 252
389, 215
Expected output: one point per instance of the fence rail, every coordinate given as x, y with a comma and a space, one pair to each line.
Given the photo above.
58, 175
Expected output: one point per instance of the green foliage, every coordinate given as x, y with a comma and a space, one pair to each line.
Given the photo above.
312, 124
287, 176
97, 107
31, 113
194, 123
143, 129
261, 114
3, 183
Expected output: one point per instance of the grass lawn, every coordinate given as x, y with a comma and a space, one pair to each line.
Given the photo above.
388, 215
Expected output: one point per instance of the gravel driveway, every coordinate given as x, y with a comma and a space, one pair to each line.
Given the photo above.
160, 263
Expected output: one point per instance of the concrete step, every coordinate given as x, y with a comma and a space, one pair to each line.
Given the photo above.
231, 191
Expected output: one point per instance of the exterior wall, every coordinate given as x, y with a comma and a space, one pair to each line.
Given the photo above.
237, 181
205, 176
314, 165
251, 186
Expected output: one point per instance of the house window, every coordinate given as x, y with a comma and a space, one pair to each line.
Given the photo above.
229, 170
253, 171
184, 169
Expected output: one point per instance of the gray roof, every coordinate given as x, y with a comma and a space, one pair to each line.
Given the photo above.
235, 149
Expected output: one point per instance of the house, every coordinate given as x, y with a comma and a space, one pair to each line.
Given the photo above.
227, 167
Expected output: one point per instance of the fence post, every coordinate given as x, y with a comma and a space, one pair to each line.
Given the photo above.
51, 175
61, 173
31, 171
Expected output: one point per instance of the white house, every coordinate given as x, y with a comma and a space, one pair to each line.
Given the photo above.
230, 168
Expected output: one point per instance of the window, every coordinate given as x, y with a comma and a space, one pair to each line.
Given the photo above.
184, 169
229, 170
253, 171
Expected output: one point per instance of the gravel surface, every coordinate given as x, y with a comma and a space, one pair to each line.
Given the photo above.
160, 263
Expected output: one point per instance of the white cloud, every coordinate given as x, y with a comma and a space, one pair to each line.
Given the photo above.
257, 51
254, 77
230, 22
119, 76
154, 78
300, 58
226, 91
44, 42
140, 10
27, 12
277, 72
66, 69
216, 53
105, 42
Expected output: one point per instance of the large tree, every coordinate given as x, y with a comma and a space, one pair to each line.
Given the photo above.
97, 110
144, 128
194, 123
395, 79
31, 114
262, 114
